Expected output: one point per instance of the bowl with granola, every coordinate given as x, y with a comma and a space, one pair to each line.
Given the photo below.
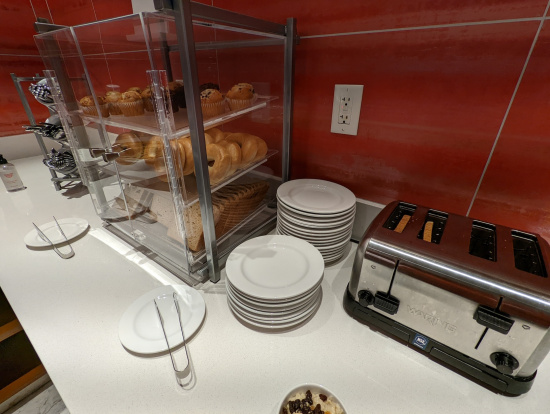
311, 398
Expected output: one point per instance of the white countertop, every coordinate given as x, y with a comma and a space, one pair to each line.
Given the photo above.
70, 309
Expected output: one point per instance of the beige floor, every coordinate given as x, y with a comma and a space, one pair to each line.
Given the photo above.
44, 401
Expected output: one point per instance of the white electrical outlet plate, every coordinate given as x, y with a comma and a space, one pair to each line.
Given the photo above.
346, 109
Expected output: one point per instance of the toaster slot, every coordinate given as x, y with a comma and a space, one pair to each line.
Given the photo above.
400, 216
527, 255
433, 227
483, 241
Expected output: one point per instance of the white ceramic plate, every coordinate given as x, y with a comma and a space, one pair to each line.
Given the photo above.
274, 326
316, 196
276, 319
140, 331
275, 267
314, 238
261, 310
316, 232
315, 224
317, 244
279, 301
320, 218
333, 258
267, 306
72, 227
314, 216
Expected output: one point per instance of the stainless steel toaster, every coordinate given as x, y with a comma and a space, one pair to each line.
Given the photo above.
471, 294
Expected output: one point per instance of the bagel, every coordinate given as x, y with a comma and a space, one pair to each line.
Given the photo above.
235, 152
153, 150
262, 149
178, 155
130, 148
248, 144
188, 151
208, 139
219, 162
216, 134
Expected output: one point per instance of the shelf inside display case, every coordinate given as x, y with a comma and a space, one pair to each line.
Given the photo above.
153, 218
147, 123
139, 174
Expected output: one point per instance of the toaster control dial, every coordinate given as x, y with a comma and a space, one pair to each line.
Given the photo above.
365, 298
505, 363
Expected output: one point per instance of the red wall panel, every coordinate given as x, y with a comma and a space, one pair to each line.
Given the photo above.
13, 115
327, 16
513, 191
18, 52
432, 105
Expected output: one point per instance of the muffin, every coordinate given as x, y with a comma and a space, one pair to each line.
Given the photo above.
131, 104
175, 93
240, 96
179, 91
112, 98
88, 106
209, 85
134, 89
212, 103
147, 98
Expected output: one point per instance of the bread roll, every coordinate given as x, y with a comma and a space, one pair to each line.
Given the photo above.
130, 147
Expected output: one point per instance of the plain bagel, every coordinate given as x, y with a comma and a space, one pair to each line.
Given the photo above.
219, 162
153, 150
248, 144
130, 147
234, 151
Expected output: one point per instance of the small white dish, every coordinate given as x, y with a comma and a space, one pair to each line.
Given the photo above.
274, 267
72, 227
315, 389
316, 196
139, 329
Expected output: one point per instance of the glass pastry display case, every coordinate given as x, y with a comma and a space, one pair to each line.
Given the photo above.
180, 122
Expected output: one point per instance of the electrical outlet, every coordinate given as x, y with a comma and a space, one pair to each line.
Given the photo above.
346, 109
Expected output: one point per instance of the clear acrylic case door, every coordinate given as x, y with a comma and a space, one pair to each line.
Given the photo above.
85, 63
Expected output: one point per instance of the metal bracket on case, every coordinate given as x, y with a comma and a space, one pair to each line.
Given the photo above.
163, 5
43, 25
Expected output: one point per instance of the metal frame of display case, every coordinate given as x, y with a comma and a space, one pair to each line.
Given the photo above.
186, 13
17, 80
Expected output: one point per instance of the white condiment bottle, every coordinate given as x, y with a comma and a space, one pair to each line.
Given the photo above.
9, 176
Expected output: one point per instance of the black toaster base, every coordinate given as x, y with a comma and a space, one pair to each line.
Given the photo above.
470, 367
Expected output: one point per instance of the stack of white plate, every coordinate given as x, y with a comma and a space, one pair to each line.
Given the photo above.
319, 212
274, 282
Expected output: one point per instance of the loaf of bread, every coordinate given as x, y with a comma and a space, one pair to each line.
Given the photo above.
231, 205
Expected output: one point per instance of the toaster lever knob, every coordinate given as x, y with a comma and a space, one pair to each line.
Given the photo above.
505, 363
386, 302
493, 319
